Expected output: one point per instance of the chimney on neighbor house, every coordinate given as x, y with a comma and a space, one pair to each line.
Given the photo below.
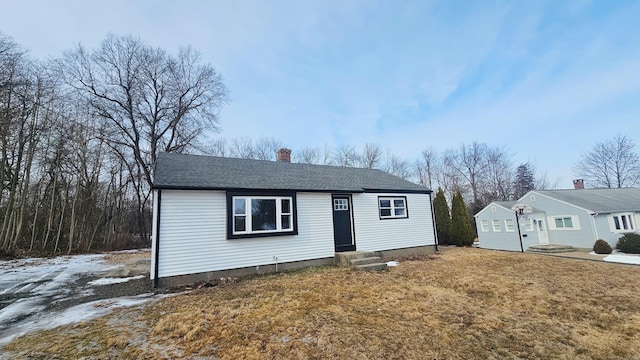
284, 155
578, 184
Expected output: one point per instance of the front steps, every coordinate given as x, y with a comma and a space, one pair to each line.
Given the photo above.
360, 260
551, 248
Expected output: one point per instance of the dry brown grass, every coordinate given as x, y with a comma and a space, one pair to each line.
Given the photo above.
461, 304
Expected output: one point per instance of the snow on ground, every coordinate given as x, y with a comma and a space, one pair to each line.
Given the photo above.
107, 281
619, 257
78, 313
623, 258
29, 287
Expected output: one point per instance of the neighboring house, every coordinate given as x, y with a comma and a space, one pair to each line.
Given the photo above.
216, 217
575, 217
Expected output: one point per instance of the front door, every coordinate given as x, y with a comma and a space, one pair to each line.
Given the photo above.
542, 232
342, 229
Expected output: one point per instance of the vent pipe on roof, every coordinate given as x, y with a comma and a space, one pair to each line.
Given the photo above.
578, 184
284, 155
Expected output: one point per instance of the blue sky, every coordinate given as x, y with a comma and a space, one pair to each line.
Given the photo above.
544, 79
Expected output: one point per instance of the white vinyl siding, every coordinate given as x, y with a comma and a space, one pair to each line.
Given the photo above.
374, 234
193, 234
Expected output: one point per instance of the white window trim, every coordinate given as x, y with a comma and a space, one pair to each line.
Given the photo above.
249, 218
393, 207
632, 222
484, 225
506, 225
496, 228
528, 224
575, 222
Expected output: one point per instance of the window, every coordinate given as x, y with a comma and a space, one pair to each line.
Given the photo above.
392, 207
563, 223
484, 225
508, 225
260, 215
496, 225
623, 222
340, 204
528, 225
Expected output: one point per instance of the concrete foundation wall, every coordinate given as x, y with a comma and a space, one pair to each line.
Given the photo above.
240, 272
405, 252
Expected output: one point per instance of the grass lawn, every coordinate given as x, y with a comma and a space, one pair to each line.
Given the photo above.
458, 304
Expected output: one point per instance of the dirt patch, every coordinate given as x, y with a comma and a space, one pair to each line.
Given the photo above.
462, 304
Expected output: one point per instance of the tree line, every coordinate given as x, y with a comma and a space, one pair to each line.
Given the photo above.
79, 137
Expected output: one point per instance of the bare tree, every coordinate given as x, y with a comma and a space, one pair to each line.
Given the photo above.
267, 148
371, 156
216, 147
397, 166
346, 155
308, 155
499, 176
425, 167
153, 101
242, 148
610, 164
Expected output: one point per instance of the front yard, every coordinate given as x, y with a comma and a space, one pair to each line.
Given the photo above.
459, 304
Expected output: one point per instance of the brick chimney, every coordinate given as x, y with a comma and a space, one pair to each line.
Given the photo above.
284, 155
578, 184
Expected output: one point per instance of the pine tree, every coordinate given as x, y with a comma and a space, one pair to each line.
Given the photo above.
524, 181
461, 231
443, 218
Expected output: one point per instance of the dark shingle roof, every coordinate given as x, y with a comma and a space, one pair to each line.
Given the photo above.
179, 171
599, 200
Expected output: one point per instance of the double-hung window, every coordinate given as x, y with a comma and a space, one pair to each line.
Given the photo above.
496, 225
484, 225
261, 215
392, 207
509, 225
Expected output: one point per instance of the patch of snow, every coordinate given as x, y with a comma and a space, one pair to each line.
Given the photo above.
623, 258
107, 281
393, 263
83, 312
595, 253
20, 308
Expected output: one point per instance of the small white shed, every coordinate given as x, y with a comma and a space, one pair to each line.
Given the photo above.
216, 217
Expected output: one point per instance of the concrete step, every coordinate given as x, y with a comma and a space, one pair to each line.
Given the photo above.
344, 258
551, 248
372, 267
365, 261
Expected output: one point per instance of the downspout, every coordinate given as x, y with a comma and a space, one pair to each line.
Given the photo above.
156, 279
593, 223
433, 220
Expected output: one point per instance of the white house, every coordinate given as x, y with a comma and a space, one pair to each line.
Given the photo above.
575, 218
216, 217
